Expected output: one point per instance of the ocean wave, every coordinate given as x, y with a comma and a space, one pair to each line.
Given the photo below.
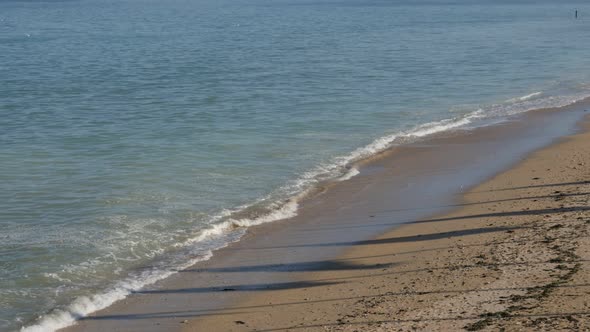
227, 221
526, 97
284, 203
85, 305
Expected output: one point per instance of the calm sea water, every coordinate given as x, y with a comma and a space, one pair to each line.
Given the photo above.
134, 133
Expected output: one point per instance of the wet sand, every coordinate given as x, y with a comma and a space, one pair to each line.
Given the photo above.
511, 254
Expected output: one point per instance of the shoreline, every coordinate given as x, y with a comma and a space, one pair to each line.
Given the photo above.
513, 256
226, 292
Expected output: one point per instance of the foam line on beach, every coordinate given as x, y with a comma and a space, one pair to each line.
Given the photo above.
284, 203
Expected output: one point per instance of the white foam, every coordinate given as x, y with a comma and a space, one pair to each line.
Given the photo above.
352, 172
287, 210
534, 101
85, 305
430, 128
525, 97
56, 277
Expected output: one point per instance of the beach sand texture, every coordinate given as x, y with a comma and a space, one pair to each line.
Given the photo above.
513, 256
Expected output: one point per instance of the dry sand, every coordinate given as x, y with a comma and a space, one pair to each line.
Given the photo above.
513, 256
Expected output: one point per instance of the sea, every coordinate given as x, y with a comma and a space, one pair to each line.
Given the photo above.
139, 136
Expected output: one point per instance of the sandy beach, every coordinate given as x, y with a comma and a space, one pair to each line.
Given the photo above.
435, 235
512, 257
226, 165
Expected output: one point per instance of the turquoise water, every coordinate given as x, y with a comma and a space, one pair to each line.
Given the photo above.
135, 135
